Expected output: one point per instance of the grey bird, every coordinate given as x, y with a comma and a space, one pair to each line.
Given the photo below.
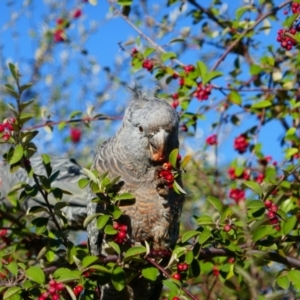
148, 134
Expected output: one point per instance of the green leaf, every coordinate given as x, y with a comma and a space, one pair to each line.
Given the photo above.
18, 154
241, 10
148, 52
90, 174
289, 225
150, 273
190, 234
124, 196
90, 218
13, 268
283, 282
294, 276
25, 87
36, 274
125, 2
134, 251
173, 158
216, 203
75, 113
254, 186
110, 230
201, 68
255, 204
102, 220
83, 182
262, 104
115, 246
10, 90
255, 70
118, 278
262, 231
204, 236
291, 152
291, 131
178, 189
14, 71
205, 220
171, 285
10, 292
235, 97
167, 56
47, 164
88, 260
210, 76
185, 161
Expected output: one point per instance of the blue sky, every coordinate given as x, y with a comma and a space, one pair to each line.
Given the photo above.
103, 48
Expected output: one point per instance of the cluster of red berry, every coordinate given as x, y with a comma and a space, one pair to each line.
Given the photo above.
212, 140
181, 267
167, 174
272, 208
148, 64
6, 128
245, 175
175, 102
241, 144
62, 24
203, 91
53, 291
237, 195
122, 234
286, 41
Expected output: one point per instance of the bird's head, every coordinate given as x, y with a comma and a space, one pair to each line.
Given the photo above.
150, 129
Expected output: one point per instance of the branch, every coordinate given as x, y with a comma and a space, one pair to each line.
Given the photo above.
246, 31
145, 37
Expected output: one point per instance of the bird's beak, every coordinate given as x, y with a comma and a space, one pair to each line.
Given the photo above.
158, 145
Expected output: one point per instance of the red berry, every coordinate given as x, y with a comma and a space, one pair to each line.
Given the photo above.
55, 297
277, 227
134, 51
3, 232
212, 140
274, 221
6, 136
285, 12
2, 127
58, 35
52, 283
237, 195
271, 215
227, 227
77, 13
241, 144
52, 290
148, 64
175, 104
260, 178
121, 235
231, 260
75, 135
45, 295
42, 298
215, 271
182, 267
189, 68
176, 276
274, 208
167, 166
181, 81
268, 203
116, 225
178, 157
175, 298
175, 75
60, 286
59, 21
123, 228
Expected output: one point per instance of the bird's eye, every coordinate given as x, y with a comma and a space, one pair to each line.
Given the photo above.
141, 129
